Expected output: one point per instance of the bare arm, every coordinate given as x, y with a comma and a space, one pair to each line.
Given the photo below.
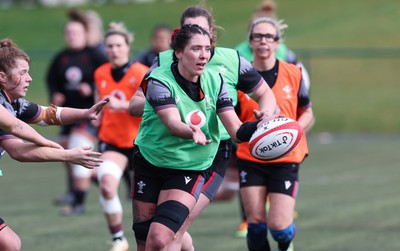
28, 152
22, 130
136, 104
265, 99
306, 119
231, 122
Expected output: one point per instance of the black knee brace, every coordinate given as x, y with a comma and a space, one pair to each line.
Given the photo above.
171, 214
141, 229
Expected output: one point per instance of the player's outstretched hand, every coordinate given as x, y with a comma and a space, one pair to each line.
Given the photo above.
84, 156
198, 136
96, 108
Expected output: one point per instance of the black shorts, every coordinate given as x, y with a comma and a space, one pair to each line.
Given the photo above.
128, 152
216, 172
148, 180
278, 177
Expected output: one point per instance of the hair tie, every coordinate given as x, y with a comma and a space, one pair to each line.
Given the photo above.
174, 33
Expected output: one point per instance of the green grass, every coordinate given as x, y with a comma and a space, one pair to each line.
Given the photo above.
351, 92
348, 200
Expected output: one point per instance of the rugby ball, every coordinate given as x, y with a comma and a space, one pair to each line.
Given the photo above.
275, 138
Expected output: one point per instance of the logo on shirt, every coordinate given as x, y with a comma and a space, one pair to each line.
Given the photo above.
288, 90
103, 84
74, 77
222, 69
118, 94
196, 118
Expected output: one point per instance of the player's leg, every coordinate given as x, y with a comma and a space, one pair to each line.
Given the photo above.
254, 191
283, 191
68, 197
253, 199
109, 175
213, 180
170, 215
280, 219
81, 175
9, 240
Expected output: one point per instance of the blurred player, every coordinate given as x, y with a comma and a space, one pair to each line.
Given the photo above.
119, 79
160, 39
70, 83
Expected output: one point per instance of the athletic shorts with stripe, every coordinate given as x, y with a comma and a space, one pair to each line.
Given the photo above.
215, 174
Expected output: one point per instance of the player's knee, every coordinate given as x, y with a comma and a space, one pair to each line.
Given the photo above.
256, 236
77, 139
11, 242
109, 167
141, 229
79, 171
111, 206
284, 235
171, 214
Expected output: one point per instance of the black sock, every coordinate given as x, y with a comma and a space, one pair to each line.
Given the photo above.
80, 196
284, 246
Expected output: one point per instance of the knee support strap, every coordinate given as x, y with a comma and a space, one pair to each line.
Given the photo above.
285, 235
257, 236
109, 167
171, 214
111, 206
77, 140
141, 229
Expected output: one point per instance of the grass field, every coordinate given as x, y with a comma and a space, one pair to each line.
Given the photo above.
348, 200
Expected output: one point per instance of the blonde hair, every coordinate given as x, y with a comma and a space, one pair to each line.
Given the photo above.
115, 28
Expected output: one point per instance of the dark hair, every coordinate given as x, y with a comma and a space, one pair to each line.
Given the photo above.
79, 16
9, 53
182, 35
160, 27
198, 11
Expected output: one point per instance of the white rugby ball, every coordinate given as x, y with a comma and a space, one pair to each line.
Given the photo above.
275, 138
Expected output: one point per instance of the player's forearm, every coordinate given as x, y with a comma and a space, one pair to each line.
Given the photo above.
28, 152
267, 102
26, 132
72, 115
306, 119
